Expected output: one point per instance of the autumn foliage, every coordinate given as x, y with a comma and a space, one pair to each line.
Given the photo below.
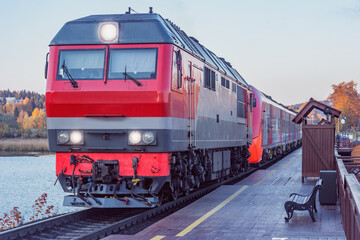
347, 99
315, 115
23, 116
11, 220
40, 210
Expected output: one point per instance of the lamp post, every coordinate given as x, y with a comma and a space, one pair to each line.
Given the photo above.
343, 123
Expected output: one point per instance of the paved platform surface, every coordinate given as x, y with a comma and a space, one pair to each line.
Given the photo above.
251, 209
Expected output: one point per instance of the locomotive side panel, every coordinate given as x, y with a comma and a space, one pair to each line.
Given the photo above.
221, 116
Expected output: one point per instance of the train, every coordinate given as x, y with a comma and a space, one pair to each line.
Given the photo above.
274, 134
139, 113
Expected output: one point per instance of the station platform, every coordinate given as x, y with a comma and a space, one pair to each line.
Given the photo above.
251, 209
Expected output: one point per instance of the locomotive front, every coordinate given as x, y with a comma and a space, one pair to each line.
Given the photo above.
107, 110
139, 112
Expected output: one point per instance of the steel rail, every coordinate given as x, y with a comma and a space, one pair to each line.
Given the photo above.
98, 228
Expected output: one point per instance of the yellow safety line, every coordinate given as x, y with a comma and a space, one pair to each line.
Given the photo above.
211, 212
288, 163
275, 170
267, 175
158, 237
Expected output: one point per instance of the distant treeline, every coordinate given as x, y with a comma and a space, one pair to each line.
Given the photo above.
22, 114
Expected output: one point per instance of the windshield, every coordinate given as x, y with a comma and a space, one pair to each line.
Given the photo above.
137, 63
82, 64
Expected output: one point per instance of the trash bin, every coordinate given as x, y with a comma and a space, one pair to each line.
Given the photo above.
327, 195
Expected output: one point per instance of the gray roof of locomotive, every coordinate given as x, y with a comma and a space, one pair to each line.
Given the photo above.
141, 28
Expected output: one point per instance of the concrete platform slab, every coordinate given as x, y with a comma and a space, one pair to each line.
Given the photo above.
250, 209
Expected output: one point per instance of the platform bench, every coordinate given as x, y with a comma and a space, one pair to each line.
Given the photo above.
302, 202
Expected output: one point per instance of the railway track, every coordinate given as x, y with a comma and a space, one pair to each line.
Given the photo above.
96, 223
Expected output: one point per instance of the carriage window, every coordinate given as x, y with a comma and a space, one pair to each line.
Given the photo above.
234, 87
81, 64
138, 63
210, 79
225, 82
213, 80
176, 72
240, 103
206, 77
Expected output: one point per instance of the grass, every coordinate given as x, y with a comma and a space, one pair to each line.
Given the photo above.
22, 145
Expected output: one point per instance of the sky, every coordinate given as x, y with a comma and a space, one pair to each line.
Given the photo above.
290, 49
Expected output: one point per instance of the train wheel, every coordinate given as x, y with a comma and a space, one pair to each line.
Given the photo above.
175, 188
175, 195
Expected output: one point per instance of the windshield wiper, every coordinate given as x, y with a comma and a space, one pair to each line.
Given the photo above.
131, 78
72, 81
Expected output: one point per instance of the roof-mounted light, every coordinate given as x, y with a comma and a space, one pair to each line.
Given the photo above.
108, 32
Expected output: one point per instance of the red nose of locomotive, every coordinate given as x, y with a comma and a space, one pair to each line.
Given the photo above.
107, 109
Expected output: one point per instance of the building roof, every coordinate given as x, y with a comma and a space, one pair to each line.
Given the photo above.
305, 111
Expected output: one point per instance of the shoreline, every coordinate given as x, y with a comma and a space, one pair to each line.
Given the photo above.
24, 147
24, 154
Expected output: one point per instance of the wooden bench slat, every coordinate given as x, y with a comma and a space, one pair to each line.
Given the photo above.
303, 202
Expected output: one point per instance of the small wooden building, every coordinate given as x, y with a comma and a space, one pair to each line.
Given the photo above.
318, 141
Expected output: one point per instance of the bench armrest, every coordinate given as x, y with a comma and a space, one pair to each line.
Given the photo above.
296, 194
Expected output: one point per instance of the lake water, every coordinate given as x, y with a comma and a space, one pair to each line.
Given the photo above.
25, 179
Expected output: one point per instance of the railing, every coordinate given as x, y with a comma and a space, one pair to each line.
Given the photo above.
344, 146
345, 142
348, 173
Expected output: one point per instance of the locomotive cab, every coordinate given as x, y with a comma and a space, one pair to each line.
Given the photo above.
128, 112
108, 101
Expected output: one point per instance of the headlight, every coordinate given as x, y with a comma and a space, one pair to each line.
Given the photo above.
139, 137
134, 137
148, 137
76, 137
63, 137
108, 32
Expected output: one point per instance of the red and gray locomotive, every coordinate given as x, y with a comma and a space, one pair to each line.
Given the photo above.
138, 111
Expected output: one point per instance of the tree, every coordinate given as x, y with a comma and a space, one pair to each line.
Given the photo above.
29, 105
10, 107
16, 112
35, 121
26, 100
8, 124
25, 121
3, 100
346, 99
25, 117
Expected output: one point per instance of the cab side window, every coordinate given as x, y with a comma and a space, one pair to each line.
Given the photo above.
176, 70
